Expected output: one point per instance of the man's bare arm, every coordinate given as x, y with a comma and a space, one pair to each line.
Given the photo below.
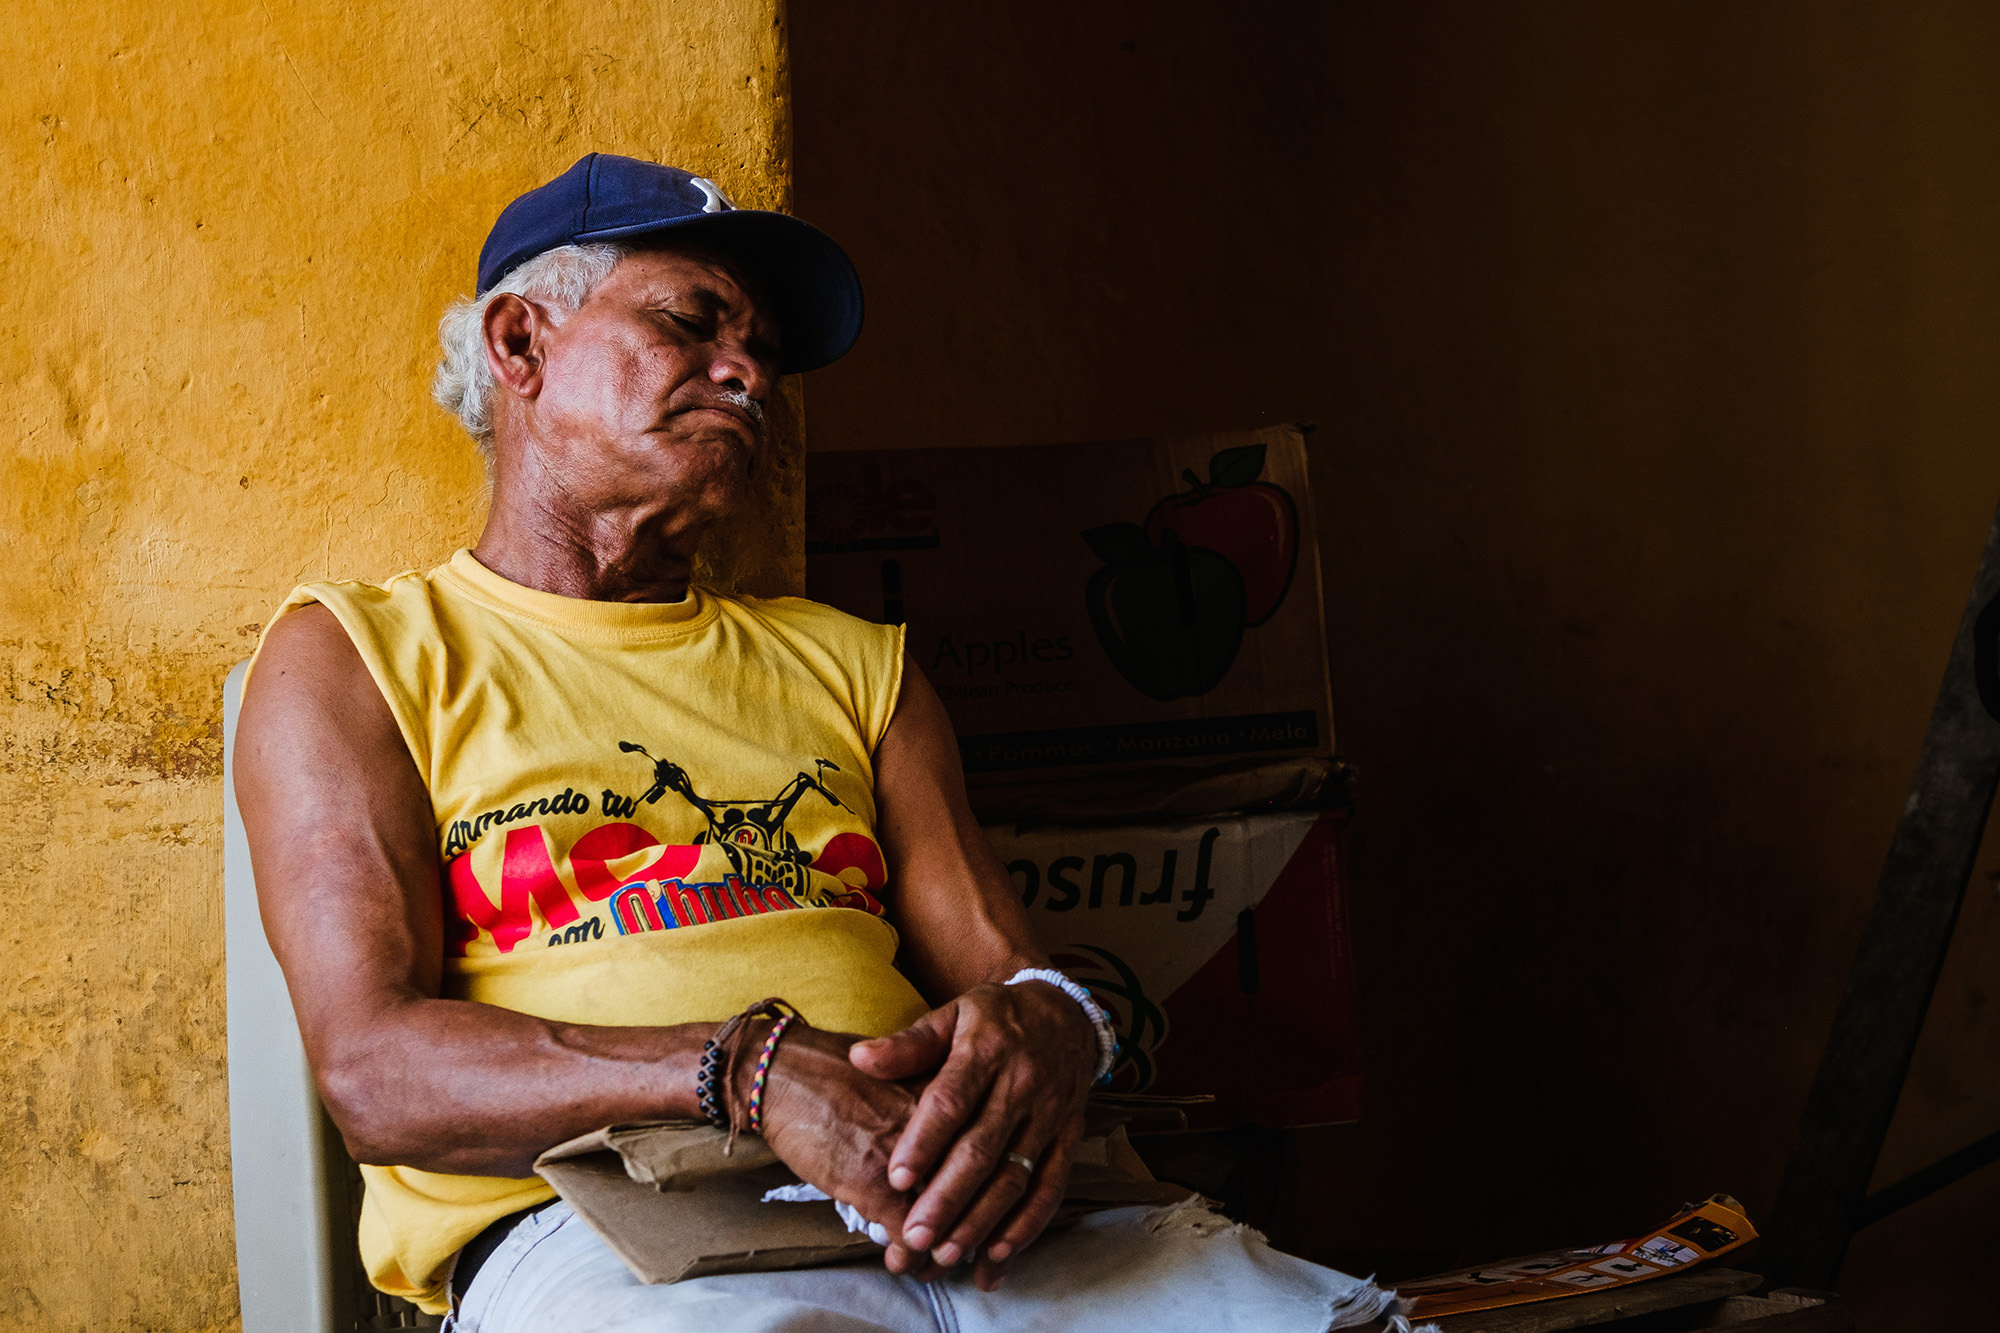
345, 850
1012, 1064
959, 912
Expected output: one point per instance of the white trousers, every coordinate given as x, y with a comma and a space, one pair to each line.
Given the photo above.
1129, 1270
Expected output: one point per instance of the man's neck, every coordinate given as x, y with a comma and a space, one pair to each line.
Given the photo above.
622, 556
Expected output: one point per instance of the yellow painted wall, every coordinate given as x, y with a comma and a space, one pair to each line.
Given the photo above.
226, 233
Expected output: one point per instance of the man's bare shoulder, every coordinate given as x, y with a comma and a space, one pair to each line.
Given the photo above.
307, 646
311, 624
308, 675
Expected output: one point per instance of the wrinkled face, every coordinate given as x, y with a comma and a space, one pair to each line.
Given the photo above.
653, 391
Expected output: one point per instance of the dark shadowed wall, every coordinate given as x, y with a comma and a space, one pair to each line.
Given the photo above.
1653, 352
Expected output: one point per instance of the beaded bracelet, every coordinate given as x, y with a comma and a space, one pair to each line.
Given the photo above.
1107, 1041
755, 1119
707, 1095
715, 1081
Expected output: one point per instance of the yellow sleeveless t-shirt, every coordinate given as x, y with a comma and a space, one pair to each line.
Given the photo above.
647, 813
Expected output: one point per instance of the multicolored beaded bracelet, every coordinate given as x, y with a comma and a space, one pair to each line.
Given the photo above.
715, 1082
756, 1116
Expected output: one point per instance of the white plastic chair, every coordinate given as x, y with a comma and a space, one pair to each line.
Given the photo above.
297, 1192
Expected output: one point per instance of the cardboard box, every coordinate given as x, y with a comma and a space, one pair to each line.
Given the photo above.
666, 1200
1145, 611
1220, 949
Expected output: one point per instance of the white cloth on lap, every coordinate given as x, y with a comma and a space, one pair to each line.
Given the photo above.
1128, 1270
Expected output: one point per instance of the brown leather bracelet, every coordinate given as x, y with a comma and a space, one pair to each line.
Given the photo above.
715, 1084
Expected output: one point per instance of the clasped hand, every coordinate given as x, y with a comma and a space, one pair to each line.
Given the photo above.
915, 1129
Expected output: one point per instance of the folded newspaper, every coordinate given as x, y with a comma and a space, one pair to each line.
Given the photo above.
1692, 1236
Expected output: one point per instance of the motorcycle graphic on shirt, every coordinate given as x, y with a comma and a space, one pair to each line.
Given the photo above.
751, 833
767, 869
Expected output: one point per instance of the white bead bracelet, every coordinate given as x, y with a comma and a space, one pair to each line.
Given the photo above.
1107, 1041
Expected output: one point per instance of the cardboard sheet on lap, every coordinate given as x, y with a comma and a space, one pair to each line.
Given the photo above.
672, 1206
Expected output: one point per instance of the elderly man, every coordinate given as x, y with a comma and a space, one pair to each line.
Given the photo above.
649, 807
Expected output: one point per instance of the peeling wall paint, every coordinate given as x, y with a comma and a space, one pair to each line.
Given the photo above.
228, 232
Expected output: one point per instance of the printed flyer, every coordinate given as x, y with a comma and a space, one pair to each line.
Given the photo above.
1692, 1236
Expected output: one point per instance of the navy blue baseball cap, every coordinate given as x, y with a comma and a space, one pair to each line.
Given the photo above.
809, 280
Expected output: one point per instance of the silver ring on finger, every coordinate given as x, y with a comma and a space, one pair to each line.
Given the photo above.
1022, 1160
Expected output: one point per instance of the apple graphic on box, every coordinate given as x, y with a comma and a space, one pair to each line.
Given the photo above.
1169, 616
1253, 523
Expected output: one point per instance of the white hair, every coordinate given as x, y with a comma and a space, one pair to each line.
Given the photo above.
560, 280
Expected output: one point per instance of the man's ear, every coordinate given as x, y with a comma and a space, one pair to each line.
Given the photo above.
514, 327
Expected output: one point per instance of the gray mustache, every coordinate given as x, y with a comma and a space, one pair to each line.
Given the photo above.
751, 407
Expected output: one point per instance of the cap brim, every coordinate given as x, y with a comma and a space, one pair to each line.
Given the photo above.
812, 286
